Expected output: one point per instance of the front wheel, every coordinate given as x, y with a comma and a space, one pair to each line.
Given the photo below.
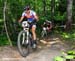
22, 44
43, 34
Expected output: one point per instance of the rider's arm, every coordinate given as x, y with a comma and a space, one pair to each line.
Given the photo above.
51, 26
36, 17
21, 18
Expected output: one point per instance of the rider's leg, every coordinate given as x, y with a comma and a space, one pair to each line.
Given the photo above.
34, 36
33, 32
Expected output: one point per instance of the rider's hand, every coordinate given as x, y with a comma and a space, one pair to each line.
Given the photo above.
36, 20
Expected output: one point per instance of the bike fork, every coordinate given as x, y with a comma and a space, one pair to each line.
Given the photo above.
23, 38
27, 38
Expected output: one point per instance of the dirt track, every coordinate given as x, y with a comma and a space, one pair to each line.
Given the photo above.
45, 53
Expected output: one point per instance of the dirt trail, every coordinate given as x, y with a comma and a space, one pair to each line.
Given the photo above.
44, 53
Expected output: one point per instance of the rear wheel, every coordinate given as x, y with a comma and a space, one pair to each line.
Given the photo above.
22, 44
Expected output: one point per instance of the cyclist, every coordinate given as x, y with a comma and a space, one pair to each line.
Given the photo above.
48, 25
32, 18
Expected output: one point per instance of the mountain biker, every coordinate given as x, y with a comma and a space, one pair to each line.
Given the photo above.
48, 25
32, 18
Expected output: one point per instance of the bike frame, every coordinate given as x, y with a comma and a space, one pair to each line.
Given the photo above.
25, 26
44, 31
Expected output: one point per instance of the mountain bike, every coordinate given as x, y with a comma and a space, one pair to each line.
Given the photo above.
46, 30
45, 33
24, 39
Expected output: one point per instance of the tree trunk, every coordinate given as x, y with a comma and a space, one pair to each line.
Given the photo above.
44, 7
4, 17
52, 9
69, 14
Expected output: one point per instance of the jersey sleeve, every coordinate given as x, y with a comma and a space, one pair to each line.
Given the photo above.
34, 13
23, 14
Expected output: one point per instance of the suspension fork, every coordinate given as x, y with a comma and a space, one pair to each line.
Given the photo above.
27, 38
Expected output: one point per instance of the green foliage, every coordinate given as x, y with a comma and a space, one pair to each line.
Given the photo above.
68, 55
71, 52
58, 58
1, 20
68, 35
3, 40
59, 17
15, 9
